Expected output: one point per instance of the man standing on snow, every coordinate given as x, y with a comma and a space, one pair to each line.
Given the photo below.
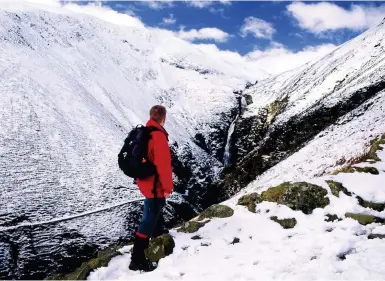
151, 224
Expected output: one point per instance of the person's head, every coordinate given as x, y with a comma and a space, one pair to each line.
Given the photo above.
158, 114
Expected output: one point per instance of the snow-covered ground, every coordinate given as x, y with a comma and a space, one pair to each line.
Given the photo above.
314, 249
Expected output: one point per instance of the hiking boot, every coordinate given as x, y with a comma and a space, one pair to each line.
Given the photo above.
145, 266
138, 259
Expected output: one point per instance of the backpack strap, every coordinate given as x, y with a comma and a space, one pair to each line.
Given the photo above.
155, 129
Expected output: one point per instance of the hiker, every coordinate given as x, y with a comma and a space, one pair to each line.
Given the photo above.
155, 188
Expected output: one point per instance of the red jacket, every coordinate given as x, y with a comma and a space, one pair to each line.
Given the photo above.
159, 154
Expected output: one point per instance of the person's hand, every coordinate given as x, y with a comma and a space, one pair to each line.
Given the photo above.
167, 194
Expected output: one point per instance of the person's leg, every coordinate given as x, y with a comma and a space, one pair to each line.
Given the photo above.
138, 259
160, 226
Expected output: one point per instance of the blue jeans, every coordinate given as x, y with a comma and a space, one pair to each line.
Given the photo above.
152, 209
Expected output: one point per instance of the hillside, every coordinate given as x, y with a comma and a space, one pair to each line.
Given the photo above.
328, 110
307, 177
73, 82
72, 85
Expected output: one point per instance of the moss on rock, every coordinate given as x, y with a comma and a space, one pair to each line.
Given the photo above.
298, 196
365, 219
250, 201
276, 108
191, 226
285, 223
102, 259
160, 247
216, 211
371, 155
367, 204
336, 187
353, 169
369, 170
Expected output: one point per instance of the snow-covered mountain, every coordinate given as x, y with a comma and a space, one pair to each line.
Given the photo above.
310, 152
328, 110
72, 85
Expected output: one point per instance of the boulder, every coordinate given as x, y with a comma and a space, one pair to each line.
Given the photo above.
216, 211
191, 226
376, 236
250, 201
365, 219
331, 218
298, 196
367, 204
102, 259
160, 247
336, 187
353, 169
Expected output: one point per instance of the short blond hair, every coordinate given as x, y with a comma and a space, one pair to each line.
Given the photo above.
158, 113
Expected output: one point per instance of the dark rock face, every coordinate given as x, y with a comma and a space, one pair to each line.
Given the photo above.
35, 252
266, 146
247, 133
195, 180
81, 273
249, 99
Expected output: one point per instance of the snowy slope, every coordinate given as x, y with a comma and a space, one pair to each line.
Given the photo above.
72, 86
356, 65
327, 110
73, 81
351, 77
313, 249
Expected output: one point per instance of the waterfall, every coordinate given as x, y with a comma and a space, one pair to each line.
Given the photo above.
241, 109
243, 104
226, 156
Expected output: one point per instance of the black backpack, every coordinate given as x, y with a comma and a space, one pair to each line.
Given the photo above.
133, 158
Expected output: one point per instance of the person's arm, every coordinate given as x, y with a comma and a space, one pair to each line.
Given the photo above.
162, 161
